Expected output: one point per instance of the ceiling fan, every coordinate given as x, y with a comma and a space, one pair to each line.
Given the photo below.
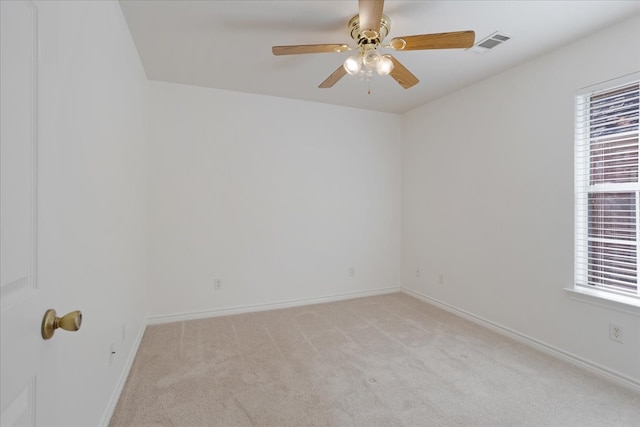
369, 28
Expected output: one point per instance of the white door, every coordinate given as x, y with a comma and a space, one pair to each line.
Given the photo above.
27, 361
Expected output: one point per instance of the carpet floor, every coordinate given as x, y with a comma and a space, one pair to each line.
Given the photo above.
389, 360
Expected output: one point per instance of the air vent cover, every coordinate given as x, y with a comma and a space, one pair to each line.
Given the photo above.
490, 42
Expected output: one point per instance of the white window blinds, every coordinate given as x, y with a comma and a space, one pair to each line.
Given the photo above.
607, 196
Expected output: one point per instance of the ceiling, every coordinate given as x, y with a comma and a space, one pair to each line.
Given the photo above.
227, 44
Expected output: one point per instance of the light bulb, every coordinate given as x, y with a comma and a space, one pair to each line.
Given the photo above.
352, 64
385, 65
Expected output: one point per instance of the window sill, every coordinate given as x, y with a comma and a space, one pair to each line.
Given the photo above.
621, 303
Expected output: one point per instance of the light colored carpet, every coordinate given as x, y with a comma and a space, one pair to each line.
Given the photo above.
388, 360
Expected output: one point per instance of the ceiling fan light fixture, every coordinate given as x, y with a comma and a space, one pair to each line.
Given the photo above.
353, 64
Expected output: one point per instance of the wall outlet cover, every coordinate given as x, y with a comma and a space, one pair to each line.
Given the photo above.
615, 333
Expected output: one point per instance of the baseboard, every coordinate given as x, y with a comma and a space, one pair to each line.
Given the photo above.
115, 396
595, 368
179, 317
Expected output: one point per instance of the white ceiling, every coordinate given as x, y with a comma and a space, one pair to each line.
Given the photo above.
227, 44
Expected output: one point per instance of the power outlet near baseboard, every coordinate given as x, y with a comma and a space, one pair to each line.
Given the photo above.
615, 333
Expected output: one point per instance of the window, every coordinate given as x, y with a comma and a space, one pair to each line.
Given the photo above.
607, 189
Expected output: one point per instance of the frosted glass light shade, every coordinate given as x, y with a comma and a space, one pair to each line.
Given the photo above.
385, 65
371, 60
353, 64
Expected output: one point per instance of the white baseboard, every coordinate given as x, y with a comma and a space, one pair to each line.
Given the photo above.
595, 368
178, 317
115, 396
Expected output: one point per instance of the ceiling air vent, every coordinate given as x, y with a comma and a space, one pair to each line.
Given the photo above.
490, 42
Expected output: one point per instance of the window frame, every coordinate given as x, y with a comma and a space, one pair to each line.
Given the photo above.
583, 188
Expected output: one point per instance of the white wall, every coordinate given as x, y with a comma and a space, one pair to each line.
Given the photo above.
488, 200
92, 196
277, 198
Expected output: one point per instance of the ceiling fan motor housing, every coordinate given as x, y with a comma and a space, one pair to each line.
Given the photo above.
369, 36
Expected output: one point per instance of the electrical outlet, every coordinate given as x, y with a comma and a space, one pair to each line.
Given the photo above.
417, 272
352, 271
615, 333
217, 284
441, 279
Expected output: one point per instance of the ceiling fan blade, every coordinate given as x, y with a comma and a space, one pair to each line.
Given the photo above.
333, 78
308, 48
402, 75
370, 12
453, 40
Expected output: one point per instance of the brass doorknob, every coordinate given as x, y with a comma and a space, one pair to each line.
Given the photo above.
69, 322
